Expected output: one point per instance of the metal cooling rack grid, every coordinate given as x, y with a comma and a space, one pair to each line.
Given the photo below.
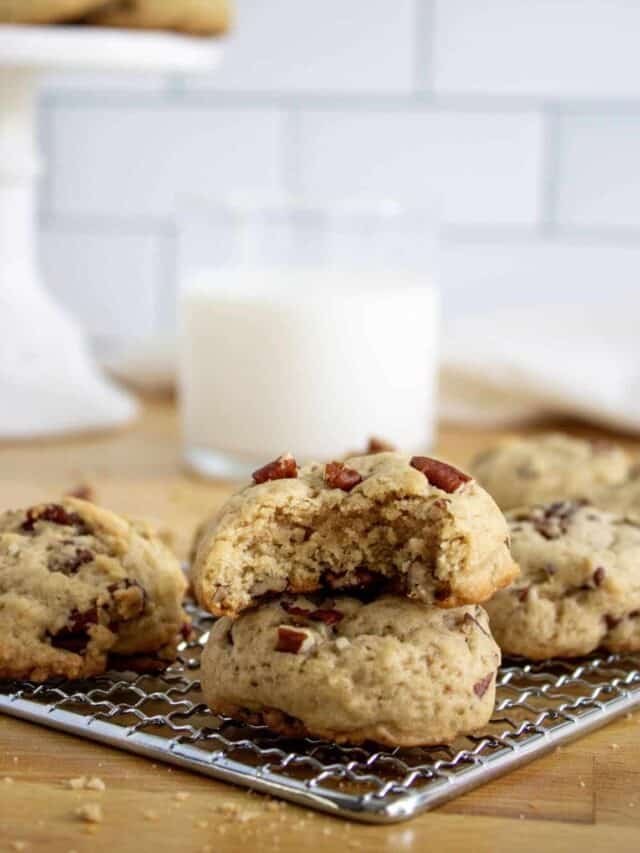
538, 706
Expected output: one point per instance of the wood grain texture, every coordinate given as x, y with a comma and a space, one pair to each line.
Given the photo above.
584, 796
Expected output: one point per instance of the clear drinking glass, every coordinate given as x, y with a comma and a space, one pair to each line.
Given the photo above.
305, 329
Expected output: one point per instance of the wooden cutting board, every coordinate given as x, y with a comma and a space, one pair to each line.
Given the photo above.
585, 796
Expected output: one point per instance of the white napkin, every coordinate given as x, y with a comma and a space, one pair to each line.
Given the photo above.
504, 367
48, 382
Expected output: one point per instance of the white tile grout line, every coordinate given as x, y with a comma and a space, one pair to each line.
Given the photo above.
549, 172
424, 42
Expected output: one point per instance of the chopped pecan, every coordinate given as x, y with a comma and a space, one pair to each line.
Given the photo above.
379, 445
612, 621
54, 514
439, 474
74, 637
338, 476
328, 615
599, 576
481, 687
294, 640
522, 594
70, 564
282, 468
468, 619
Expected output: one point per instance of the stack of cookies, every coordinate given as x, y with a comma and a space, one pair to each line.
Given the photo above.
573, 508
349, 595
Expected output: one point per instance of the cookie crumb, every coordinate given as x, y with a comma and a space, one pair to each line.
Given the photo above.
181, 796
206, 849
90, 812
150, 814
614, 746
582, 783
8, 780
19, 845
201, 824
77, 784
95, 784
15, 759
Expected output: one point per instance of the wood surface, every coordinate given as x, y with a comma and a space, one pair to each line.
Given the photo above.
585, 796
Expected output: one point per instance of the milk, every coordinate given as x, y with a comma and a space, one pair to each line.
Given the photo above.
310, 361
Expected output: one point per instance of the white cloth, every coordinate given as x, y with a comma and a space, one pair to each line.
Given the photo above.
48, 382
511, 365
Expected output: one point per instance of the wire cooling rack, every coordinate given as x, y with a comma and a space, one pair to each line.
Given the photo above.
163, 717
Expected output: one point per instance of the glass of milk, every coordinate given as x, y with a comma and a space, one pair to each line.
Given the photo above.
306, 330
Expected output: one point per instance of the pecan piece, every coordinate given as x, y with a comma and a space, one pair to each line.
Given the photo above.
74, 637
338, 476
53, 513
282, 468
379, 445
481, 687
294, 640
327, 615
70, 565
599, 576
612, 621
439, 474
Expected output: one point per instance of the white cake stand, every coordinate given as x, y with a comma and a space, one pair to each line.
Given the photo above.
48, 381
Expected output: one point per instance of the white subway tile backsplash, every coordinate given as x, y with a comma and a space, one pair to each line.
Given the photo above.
138, 161
547, 48
597, 171
485, 168
480, 276
333, 46
106, 280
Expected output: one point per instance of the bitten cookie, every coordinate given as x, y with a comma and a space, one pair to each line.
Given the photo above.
526, 471
418, 523
78, 584
391, 671
579, 587
197, 17
45, 11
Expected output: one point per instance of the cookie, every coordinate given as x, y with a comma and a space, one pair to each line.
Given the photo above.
197, 17
579, 587
550, 467
79, 584
392, 671
413, 522
45, 11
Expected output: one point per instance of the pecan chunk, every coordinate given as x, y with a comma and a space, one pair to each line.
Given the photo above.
74, 637
481, 687
294, 640
327, 615
439, 474
70, 564
282, 468
379, 445
338, 476
54, 514
599, 576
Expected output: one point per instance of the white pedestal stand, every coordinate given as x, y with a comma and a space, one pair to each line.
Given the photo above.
48, 381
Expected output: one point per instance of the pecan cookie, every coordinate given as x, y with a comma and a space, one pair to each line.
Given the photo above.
197, 17
579, 587
526, 471
79, 584
45, 11
419, 524
391, 671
